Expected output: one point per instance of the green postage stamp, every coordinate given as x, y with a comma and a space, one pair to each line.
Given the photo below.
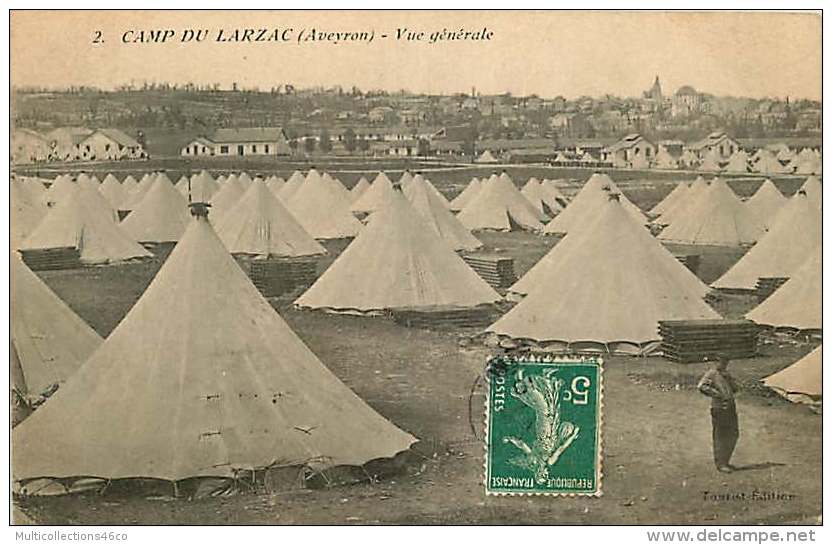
543, 426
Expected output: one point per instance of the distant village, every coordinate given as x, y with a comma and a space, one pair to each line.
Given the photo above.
684, 129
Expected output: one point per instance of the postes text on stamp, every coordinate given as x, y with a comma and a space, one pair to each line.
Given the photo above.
543, 419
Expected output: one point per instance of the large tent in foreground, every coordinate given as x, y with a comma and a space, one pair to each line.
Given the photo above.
660, 258
797, 303
49, 342
467, 194
801, 382
794, 236
607, 291
717, 218
260, 225
397, 262
499, 205
322, 210
202, 378
766, 202
583, 208
161, 216
77, 223
438, 217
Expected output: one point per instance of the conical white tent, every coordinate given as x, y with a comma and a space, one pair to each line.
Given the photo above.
275, 184
552, 192
61, 187
181, 185
26, 212
375, 197
438, 217
664, 160
161, 216
244, 180
486, 157
405, 179
717, 218
470, 191
129, 184
134, 198
660, 258
292, 184
432, 188
793, 237
397, 262
710, 163
738, 162
260, 225
33, 187
499, 205
797, 303
86, 181
359, 188
49, 341
609, 290
202, 187
582, 209
801, 382
202, 378
113, 191
806, 162
225, 198
75, 222
813, 190
766, 202
670, 199
540, 198
337, 187
767, 163
687, 202
321, 210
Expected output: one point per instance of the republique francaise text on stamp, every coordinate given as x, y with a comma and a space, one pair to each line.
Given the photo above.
543, 426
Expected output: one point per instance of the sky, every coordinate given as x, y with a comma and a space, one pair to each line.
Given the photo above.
545, 53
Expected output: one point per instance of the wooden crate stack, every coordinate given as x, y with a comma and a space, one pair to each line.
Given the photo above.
768, 285
50, 259
497, 270
696, 340
274, 277
445, 316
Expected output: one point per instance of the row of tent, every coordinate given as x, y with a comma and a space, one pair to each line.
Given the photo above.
261, 218
763, 161
261, 225
608, 283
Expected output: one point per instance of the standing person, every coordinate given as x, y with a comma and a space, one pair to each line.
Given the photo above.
720, 386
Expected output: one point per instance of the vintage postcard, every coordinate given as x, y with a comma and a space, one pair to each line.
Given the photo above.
415, 267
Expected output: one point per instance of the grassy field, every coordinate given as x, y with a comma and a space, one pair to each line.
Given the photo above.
657, 460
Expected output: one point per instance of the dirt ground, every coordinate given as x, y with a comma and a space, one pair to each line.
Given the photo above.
657, 465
